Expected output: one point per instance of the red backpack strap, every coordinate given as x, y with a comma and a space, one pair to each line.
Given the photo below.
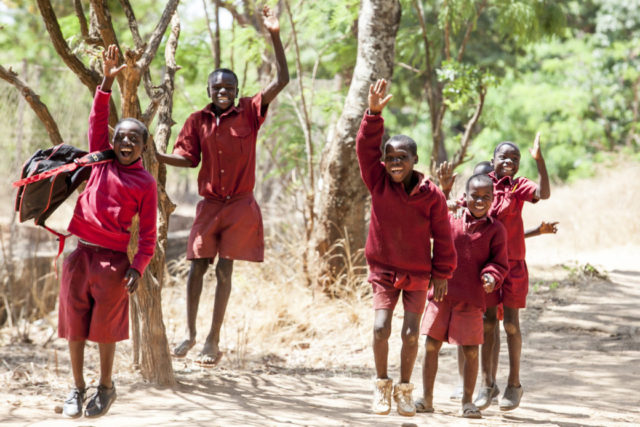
61, 240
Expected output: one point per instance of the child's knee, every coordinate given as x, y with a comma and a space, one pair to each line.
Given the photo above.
381, 332
199, 266
410, 336
470, 352
511, 328
433, 344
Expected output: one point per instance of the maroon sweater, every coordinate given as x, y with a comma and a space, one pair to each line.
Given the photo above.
114, 194
403, 225
481, 246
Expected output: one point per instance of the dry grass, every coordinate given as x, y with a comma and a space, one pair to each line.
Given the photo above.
275, 321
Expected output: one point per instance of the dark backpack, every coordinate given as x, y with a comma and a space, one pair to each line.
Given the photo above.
49, 177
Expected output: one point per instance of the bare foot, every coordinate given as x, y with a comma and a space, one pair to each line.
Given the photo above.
181, 350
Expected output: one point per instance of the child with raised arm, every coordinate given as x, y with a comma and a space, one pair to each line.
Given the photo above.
481, 245
510, 194
407, 211
94, 304
490, 350
228, 222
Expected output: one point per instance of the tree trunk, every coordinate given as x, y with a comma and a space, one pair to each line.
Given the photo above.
340, 231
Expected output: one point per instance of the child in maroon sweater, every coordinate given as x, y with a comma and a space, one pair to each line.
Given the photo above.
94, 304
480, 243
407, 210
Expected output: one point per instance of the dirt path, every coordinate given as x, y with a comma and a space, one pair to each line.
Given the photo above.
581, 366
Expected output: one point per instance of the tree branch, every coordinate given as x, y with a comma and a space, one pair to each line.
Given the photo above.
88, 77
470, 26
447, 31
37, 106
157, 34
84, 28
230, 7
460, 156
133, 23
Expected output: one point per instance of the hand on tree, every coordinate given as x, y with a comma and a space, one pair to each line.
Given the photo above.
377, 98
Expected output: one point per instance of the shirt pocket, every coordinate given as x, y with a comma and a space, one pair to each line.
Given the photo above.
242, 138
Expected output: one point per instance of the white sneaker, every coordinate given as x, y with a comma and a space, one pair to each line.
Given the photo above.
381, 396
403, 395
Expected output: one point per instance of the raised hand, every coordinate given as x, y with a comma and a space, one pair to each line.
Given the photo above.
446, 177
488, 282
549, 227
270, 20
535, 151
377, 98
110, 66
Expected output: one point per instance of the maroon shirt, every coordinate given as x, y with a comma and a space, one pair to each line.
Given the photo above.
509, 196
401, 224
225, 145
113, 195
481, 246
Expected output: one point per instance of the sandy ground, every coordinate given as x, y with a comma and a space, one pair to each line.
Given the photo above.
580, 367
581, 352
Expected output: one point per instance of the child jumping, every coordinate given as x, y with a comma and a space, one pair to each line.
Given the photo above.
94, 304
481, 246
228, 222
407, 210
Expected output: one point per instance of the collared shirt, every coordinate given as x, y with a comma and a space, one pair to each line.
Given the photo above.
402, 225
225, 145
113, 195
509, 196
481, 246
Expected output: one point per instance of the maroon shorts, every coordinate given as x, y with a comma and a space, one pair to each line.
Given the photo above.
231, 229
493, 299
385, 295
94, 304
459, 323
516, 285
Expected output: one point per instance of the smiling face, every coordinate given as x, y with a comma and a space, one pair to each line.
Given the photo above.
506, 160
399, 158
222, 88
479, 195
128, 141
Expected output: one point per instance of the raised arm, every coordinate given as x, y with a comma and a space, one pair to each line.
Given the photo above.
110, 67
446, 178
544, 188
272, 24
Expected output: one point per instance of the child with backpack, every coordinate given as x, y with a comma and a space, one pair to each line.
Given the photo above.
94, 304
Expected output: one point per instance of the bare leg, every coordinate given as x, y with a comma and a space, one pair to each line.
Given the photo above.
514, 343
76, 354
410, 335
210, 353
429, 370
381, 333
194, 290
470, 371
107, 353
496, 350
490, 323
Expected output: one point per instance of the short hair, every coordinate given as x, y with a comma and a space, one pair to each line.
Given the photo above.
404, 140
222, 71
483, 167
512, 144
483, 178
145, 131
